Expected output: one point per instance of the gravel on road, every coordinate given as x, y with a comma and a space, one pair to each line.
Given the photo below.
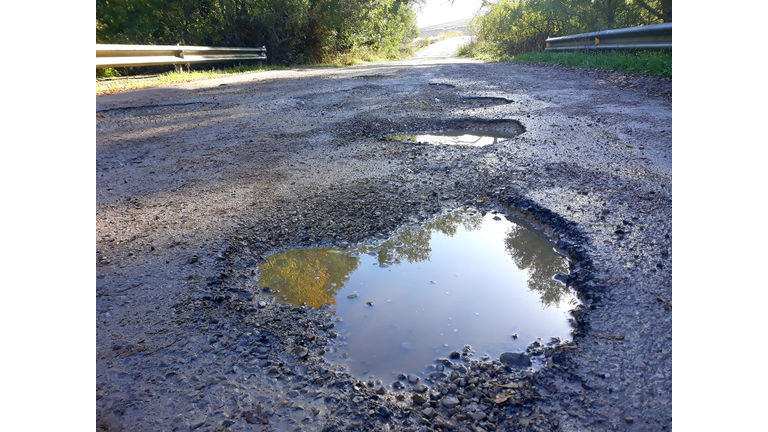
198, 183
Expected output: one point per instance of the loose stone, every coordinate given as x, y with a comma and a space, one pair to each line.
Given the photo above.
515, 359
450, 401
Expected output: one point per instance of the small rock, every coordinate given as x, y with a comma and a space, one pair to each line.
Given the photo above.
419, 399
629, 420
478, 415
351, 296
197, 423
450, 402
429, 412
381, 390
413, 379
515, 359
193, 259
302, 352
420, 388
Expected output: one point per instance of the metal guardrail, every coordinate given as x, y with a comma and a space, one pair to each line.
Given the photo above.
108, 56
650, 37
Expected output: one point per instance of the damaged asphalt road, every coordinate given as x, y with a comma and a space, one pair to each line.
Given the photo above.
198, 183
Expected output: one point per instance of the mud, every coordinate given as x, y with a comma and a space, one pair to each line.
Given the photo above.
198, 183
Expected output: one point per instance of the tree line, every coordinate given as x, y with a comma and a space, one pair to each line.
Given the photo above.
521, 26
294, 31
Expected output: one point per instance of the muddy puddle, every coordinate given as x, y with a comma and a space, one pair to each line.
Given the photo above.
476, 138
463, 285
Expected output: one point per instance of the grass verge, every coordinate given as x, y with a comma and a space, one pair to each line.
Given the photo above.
118, 83
639, 63
111, 81
636, 63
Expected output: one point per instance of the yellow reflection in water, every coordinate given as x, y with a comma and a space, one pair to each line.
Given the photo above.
313, 276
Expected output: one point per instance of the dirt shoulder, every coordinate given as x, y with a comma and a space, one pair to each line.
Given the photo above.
198, 182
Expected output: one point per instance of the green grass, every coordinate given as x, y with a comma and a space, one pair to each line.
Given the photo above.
636, 63
640, 63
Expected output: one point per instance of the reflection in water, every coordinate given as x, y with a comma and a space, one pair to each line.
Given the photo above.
533, 253
477, 138
313, 276
462, 279
412, 244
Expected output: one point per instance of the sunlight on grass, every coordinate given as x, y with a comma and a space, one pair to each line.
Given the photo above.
636, 63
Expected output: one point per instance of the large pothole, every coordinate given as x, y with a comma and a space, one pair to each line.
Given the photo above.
465, 285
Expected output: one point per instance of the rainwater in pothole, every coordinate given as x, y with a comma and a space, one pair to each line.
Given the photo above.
476, 138
462, 279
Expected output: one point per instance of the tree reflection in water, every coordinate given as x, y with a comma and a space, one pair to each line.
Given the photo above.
313, 276
533, 253
316, 275
413, 244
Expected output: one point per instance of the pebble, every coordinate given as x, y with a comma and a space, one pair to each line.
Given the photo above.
478, 415
515, 359
419, 399
194, 424
429, 412
450, 402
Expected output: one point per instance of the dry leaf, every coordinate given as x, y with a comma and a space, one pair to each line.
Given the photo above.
500, 398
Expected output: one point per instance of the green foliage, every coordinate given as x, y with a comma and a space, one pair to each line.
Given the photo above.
294, 31
512, 27
107, 73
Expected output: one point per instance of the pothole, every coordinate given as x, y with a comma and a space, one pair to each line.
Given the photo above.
465, 285
484, 101
463, 132
471, 137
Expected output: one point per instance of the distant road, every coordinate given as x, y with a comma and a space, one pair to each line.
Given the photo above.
437, 29
442, 49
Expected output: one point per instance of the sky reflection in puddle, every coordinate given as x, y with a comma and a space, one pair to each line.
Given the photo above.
477, 138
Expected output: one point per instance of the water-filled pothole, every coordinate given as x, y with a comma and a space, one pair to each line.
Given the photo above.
462, 280
477, 138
